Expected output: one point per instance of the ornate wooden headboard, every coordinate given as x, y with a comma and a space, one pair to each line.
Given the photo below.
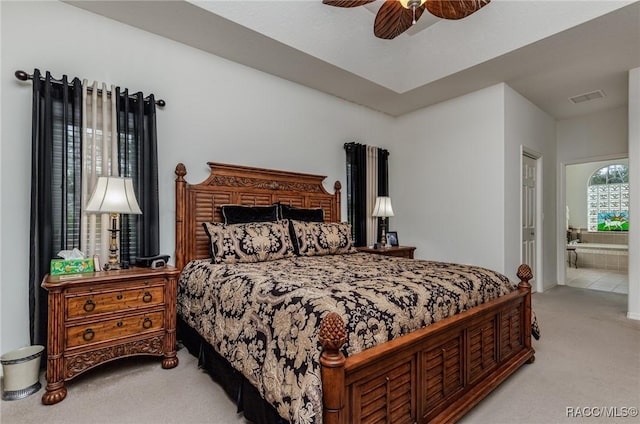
241, 185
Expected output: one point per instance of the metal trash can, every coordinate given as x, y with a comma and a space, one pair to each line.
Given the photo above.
21, 370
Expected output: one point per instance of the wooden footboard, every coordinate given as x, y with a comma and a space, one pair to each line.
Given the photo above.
435, 374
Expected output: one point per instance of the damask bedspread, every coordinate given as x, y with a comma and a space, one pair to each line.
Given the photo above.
264, 317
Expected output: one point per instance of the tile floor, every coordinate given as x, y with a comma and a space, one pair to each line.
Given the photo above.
598, 279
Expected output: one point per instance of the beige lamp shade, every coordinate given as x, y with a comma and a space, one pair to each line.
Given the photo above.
382, 207
114, 195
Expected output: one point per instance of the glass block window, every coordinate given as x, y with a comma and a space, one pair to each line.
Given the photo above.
608, 199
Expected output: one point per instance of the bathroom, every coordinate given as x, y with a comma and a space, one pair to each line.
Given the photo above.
597, 225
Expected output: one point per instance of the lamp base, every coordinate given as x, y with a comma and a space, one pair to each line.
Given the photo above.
383, 237
113, 263
111, 267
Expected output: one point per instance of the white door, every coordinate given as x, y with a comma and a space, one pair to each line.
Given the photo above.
529, 207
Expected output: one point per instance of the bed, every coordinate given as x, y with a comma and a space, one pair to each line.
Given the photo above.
404, 366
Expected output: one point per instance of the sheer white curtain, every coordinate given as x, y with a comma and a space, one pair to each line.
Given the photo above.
372, 191
99, 158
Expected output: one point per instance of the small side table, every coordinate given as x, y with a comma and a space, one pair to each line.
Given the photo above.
572, 249
400, 251
100, 316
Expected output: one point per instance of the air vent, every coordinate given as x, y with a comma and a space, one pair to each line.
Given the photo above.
593, 95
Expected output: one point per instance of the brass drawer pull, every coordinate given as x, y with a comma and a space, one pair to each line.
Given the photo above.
88, 335
89, 305
147, 323
147, 297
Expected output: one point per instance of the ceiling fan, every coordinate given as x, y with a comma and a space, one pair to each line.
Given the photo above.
397, 16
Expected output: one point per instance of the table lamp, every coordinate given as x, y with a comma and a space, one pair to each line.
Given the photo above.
113, 195
383, 209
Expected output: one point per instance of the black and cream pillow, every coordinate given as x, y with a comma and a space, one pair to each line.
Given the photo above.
323, 238
250, 242
299, 214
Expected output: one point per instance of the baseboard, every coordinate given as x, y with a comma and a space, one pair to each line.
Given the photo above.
549, 287
633, 315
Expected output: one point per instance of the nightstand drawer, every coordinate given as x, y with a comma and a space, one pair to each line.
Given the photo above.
87, 303
99, 331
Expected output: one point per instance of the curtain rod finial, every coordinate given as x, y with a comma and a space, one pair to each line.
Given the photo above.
22, 75
161, 103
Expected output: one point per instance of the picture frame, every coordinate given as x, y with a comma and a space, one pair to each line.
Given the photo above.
392, 238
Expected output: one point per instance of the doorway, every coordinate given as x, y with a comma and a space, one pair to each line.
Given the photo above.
596, 199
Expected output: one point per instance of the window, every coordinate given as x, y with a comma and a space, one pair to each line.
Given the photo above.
608, 199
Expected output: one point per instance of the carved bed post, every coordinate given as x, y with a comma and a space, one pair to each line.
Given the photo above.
181, 171
332, 336
525, 274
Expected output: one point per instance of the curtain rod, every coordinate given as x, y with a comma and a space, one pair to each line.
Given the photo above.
23, 76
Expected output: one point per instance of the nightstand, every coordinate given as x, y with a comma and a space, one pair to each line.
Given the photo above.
101, 316
401, 251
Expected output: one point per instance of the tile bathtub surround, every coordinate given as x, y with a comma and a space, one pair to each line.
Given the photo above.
605, 259
602, 237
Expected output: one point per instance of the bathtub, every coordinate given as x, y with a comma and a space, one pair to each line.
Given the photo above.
609, 256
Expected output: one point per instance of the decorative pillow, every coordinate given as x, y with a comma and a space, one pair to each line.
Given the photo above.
301, 214
240, 214
320, 238
251, 242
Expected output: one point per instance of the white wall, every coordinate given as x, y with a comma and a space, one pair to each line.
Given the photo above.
447, 179
634, 179
216, 111
528, 127
577, 178
597, 135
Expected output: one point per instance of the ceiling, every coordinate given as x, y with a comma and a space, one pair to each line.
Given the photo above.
548, 50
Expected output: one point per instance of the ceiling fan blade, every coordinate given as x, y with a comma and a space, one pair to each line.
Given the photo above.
454, 9
393, 19
346, 3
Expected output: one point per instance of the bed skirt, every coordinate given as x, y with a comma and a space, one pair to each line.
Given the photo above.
245, 396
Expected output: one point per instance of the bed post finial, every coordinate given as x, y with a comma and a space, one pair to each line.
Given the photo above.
181, 171
332, 336
524, 274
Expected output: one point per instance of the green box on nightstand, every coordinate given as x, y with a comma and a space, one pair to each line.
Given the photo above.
71, 266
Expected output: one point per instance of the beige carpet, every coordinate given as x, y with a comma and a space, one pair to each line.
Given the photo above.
589, 356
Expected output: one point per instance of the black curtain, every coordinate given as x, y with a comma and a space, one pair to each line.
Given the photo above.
138, 159
357, 191
55, 185
357, 188
383, 183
